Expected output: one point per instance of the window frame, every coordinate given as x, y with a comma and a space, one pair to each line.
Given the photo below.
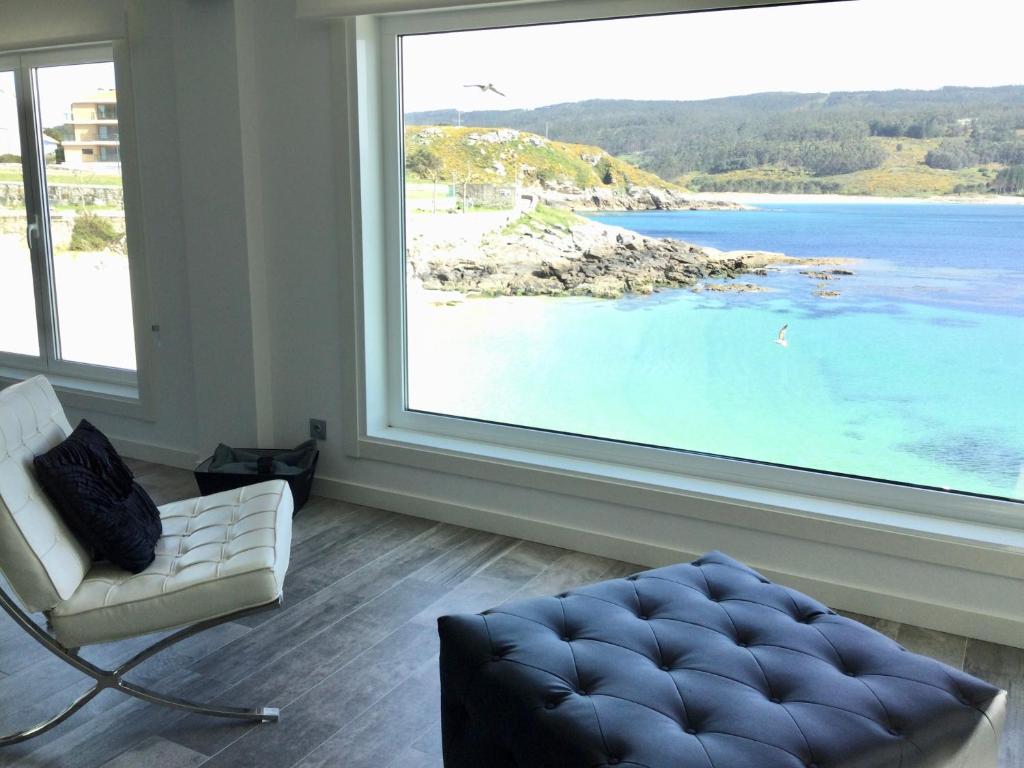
380, 427
112, 389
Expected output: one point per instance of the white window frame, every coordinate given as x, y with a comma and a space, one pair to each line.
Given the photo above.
367, 73
86, 385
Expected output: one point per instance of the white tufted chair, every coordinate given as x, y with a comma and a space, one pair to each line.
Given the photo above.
220, 557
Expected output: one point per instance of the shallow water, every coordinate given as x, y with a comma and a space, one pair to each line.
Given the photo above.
912, 374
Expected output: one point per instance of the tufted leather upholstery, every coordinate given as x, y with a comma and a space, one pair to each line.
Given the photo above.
218, 554
39, 555
706, 665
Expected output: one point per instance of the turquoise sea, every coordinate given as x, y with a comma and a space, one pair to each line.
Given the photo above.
914, 374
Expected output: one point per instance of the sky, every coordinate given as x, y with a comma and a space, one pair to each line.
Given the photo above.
828, 47
60, 86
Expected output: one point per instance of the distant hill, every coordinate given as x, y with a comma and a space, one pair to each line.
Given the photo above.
951, 140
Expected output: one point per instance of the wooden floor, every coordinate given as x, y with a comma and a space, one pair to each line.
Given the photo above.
351, 659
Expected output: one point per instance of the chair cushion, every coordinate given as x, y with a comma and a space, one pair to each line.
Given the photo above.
706, 665
218, 554
96, 494
42, 559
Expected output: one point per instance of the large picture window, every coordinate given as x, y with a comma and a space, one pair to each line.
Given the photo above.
734, 234
64, 262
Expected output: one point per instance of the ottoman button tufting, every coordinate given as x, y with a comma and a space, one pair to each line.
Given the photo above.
725, 691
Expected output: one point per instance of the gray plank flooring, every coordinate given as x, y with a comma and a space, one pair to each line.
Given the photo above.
351, 658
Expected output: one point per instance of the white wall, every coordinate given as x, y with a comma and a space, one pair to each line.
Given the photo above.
33, 23
28, 23
239, 157
199, 223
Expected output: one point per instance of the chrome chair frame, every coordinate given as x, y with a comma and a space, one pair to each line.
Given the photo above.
114, 678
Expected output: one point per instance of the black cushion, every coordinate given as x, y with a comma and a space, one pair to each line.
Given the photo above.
706, 665
96, 494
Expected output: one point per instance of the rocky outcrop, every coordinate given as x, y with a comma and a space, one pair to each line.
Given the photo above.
584, 259
734, 287
630, 198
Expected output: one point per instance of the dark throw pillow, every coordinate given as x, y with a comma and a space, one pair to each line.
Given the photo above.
96, 494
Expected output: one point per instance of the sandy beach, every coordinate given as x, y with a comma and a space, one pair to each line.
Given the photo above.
760, 199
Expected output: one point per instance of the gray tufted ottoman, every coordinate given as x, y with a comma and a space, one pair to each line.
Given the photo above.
707, 665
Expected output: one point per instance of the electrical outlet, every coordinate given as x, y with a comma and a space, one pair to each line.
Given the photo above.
318, 429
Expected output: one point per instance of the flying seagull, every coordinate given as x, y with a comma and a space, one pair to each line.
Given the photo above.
484, 88
781, 340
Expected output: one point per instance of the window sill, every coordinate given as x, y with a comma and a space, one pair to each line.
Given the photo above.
975, 546
86, 394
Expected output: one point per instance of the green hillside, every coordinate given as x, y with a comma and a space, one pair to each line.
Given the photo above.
947, 141
902, 172
491, 156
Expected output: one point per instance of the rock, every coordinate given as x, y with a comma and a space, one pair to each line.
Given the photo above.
582, 259
842, 272
632, 198
821, 275
826, 294
730, 288
502, 136
748, 260
604, 287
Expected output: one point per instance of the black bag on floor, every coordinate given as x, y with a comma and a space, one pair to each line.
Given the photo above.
231, 468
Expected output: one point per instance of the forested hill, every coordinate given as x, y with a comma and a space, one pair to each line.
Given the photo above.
877, 142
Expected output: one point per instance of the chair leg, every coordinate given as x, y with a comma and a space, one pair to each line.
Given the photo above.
113, 679
53, 722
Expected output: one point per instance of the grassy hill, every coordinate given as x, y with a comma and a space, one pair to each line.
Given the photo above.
487, 156
902, 173
947, 141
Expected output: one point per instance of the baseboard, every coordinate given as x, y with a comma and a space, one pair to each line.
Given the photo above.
157, 454
957, 620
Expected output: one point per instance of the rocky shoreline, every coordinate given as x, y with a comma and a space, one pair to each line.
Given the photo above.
585, 258
631, 198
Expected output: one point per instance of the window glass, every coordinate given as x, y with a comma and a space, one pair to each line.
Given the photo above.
78, 109
654, 231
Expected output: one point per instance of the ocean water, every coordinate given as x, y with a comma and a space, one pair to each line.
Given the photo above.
914, 374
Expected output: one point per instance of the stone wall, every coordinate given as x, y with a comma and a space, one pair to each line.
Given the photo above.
12, 195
